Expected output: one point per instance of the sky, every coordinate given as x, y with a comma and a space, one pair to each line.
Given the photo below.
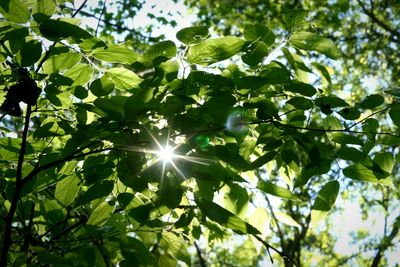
344, 223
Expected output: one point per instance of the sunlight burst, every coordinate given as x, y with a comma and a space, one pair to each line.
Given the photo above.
166, 154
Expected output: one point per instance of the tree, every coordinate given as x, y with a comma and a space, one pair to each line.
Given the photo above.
130, 153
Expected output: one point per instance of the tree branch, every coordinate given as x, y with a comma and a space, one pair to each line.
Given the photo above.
18, 187
280, 253
374, 19
201, 259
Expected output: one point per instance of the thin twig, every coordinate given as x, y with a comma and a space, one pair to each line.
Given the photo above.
101, 15
201, 259
79, 8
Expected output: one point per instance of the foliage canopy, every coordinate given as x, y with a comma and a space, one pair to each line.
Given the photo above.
87, 124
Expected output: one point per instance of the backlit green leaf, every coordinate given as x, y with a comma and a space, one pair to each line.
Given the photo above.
215, 50
259, 32
313, 42
117, 54
43, 9
101, 214
98, 190
158, 53
324, 202
192, 35
79, 73
124, 79
224, 217
362, 173
102, 86
15, 10
286, 219
276, 190
255, 53
61, 58
66, 189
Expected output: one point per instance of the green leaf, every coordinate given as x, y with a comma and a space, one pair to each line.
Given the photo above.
215, 50
15, 10
323, 71
394, 92
134, 252
10, 31
261, 161
324, 202
301, 88
66, 189
363, 173
124, 79
117, 54
56, 30
350, 113
98, 190
312, 41
294, 18
286, 219
345, 139
101, 214
176, 246
275, 73
328, 102
192, 35
170, 195
394, 114
61, 58
259, 32
301, 103
102, 86
29, 53
372, 101
255, 53
224, 217
350, 153
79, 73
385, 161
43, 10
236, 199
260, 220
113, 106
277, 191
158, 53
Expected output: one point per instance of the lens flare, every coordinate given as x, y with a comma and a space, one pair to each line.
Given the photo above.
166, 154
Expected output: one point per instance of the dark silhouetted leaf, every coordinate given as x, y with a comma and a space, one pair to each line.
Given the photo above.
372, 101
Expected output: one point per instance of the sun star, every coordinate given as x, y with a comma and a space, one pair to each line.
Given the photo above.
166, 154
